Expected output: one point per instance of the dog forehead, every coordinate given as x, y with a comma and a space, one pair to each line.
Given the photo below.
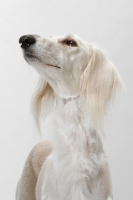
66, 36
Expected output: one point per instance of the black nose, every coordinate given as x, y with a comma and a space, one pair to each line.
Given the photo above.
26, 41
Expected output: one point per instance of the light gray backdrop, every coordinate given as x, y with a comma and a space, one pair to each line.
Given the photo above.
108, 23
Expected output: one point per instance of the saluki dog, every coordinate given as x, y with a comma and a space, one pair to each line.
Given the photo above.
77, 82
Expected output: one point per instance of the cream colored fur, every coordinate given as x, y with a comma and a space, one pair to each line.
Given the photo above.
77, 82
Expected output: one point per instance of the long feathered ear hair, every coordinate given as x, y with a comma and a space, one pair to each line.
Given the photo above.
42, 100
99, 83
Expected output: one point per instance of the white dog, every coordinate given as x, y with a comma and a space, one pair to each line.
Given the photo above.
78, 82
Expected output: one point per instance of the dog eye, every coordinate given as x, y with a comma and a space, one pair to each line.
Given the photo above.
71, 43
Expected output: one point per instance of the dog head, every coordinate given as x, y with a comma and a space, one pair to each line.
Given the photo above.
59, 60
70, 67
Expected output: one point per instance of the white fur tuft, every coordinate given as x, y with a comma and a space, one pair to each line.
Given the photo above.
42, 100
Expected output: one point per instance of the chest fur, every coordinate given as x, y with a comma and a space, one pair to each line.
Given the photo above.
77, 157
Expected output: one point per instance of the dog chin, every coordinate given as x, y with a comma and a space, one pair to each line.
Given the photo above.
29, 57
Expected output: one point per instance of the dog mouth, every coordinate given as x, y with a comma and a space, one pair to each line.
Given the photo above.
50, 65
32, 56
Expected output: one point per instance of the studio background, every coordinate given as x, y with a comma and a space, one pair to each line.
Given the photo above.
107, 23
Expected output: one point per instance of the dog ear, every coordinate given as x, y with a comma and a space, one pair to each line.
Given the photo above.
99, 83
42, 100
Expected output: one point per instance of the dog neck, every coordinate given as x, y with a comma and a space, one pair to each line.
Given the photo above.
74, 124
